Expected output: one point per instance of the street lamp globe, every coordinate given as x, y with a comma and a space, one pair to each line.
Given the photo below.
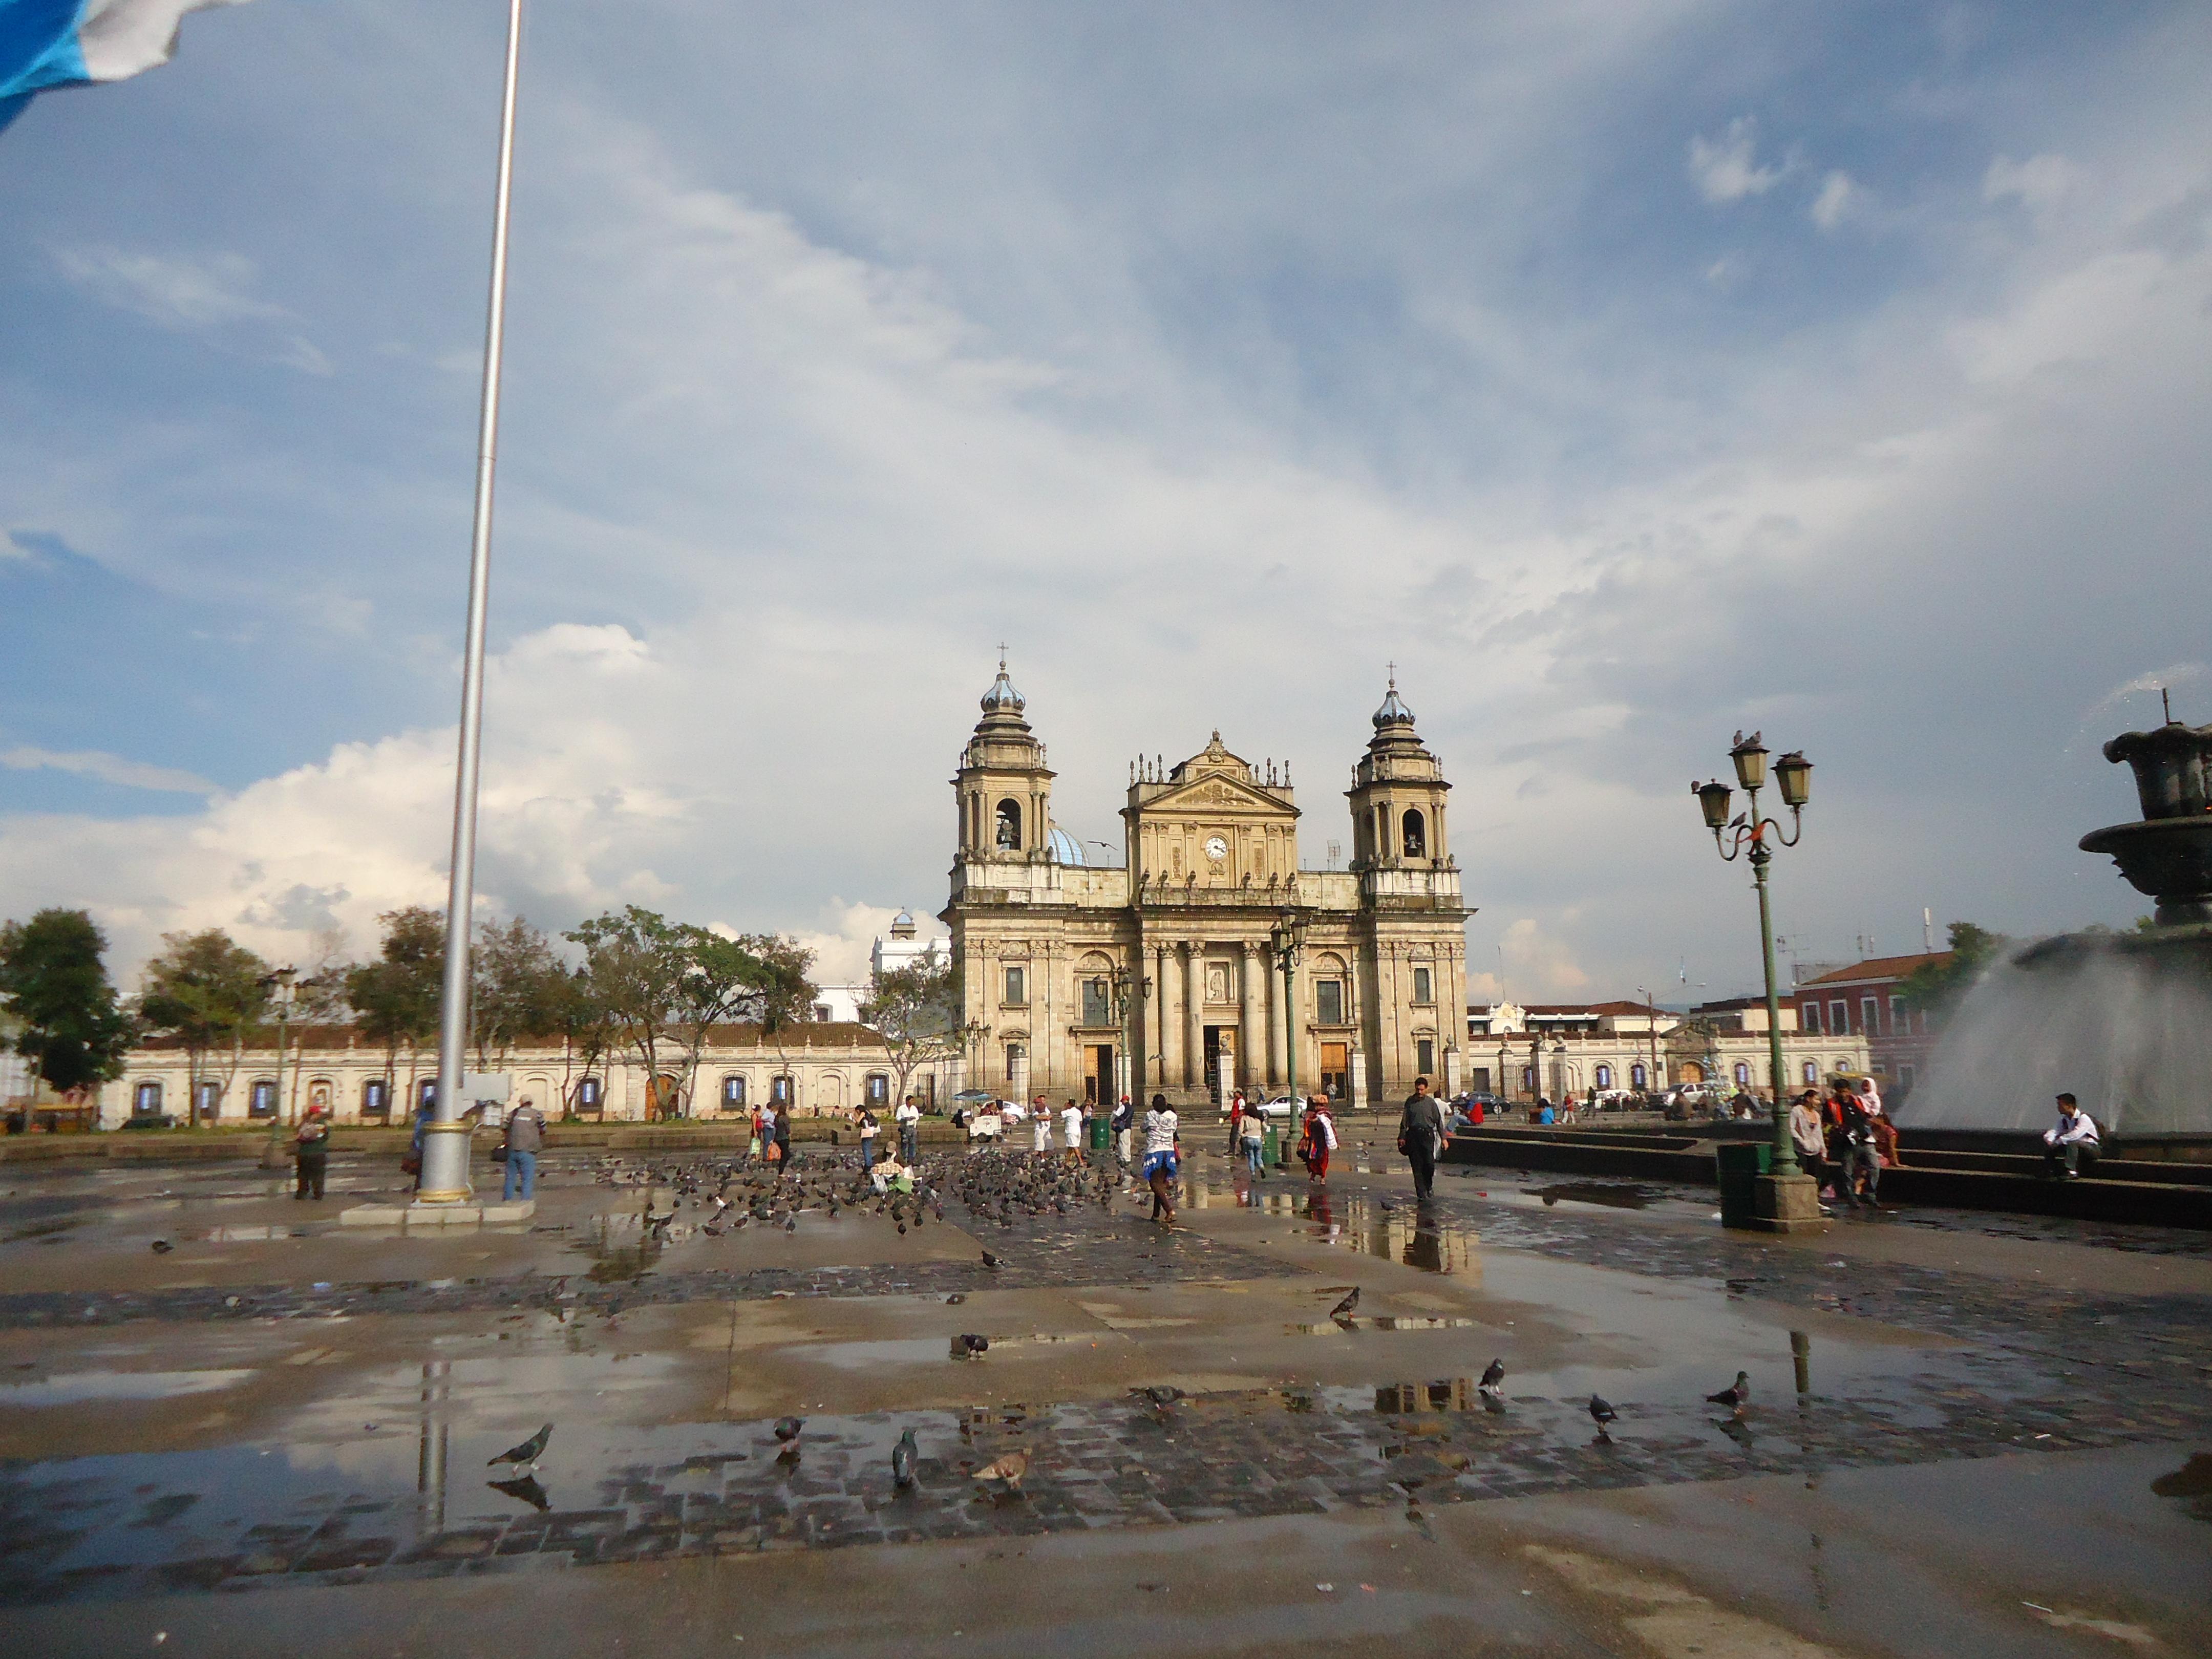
1750, 757
1713, 801
1793, 776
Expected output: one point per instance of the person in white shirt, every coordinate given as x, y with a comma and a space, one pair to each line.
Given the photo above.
2071, 1143
908, 1117
1043, 1124
1161, 1158
1071, 1130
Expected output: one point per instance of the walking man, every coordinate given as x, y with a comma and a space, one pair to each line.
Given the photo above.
2070, 1144
1161, 1158
908, 1117
311, 1153
1422, 1137
525, 1134
1124, 1118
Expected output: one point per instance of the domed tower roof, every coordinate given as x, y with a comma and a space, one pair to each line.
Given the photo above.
1002, 697
1394, 711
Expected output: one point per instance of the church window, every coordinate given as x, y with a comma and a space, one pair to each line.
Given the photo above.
376, 1097
261, 1099
1424, 1055
1017, 988
1010, 825
146, 1099
1424, 986
1328, 1002
733, 1093
1097, 1006
1417, 836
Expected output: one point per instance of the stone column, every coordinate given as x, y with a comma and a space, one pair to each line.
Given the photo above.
1278, 1015
1139, 1036
1251, 1059
1193, 1013
1163, 1026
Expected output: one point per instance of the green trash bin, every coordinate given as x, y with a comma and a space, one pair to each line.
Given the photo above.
1098, 1132
1271, 1148
1741, 1163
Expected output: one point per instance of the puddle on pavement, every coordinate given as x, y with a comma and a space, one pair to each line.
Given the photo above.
42, 1232
1612, 1194
90, 1388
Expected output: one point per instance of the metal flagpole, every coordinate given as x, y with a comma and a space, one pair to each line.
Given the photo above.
445, 1178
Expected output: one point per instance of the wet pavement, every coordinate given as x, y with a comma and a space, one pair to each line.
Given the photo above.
289, 1407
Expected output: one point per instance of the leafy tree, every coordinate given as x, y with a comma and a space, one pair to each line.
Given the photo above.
1935, 988
395, 997
52, 980
519, 984
635, 962
917, 1012
208, 991
786, 995
586, 1029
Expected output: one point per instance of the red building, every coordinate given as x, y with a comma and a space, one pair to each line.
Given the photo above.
1868, 1000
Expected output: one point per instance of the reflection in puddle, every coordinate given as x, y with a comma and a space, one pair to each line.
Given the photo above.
620, 1248
1613, 1195
78, 1387
1414, 1235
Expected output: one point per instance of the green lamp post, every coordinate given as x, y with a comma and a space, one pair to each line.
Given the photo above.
1287, 936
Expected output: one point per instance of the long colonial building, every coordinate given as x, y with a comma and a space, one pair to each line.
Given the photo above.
1163, 974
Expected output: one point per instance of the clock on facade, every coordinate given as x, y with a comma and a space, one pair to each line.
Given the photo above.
1216, 848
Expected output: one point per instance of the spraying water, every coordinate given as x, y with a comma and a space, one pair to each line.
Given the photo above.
2123, 1021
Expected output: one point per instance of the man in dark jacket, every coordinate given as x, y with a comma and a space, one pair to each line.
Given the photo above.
1422, 1136
525, 1134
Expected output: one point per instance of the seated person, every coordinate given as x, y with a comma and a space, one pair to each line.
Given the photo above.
2070, 1144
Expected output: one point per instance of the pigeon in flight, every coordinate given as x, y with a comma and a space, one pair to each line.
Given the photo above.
1344, 1309
1493, 1377
1601, 1414
525, 1455
902, 1460
1736, 1396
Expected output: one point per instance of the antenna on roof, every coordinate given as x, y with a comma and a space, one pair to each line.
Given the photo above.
2165, 704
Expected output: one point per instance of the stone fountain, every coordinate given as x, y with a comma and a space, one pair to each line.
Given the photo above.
2123, 1020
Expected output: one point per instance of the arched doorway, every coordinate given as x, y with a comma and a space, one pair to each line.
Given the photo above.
667, 1097
1689, 1072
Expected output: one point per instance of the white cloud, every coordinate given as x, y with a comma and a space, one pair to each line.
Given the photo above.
190, 294
1837, 200
1725, 169
109, 769
2038, 184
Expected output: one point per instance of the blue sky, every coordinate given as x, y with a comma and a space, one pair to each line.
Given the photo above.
1626, 373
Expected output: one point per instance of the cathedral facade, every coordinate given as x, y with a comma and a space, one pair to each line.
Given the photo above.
1170, 974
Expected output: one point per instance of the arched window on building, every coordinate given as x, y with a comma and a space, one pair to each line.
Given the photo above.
1417, 835
1604, 1077
376, 1097
426, 1092
879, 1089
208, 1099
733, 1093
261, 1098
780, 1089
1010, 825
591, 1095
1527, 1080
1812, 1070
1742, 1075
1637, 1077
146, 1100
1425, 1057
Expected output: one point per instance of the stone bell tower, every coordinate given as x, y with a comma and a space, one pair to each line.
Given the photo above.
1004, 787
1397, 798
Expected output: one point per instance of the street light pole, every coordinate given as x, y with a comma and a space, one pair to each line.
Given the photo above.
1787, 1206
1287, 936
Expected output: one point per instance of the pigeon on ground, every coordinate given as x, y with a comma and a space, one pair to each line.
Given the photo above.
1159, 1393
1601, 1414
525, 1455
1007, 1470
788, 1428
903, 1459
790, 1223
972, 1345
162, 1246
1344, 1309
1736, 1396
1493, 1377
990, 1260
955, 1299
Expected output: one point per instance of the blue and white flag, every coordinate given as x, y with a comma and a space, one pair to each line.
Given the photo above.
60, 43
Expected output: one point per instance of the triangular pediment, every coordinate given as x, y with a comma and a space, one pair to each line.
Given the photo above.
1202, 791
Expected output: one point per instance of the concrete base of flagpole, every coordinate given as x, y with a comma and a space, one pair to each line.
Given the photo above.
445, 1165
1787, 1204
